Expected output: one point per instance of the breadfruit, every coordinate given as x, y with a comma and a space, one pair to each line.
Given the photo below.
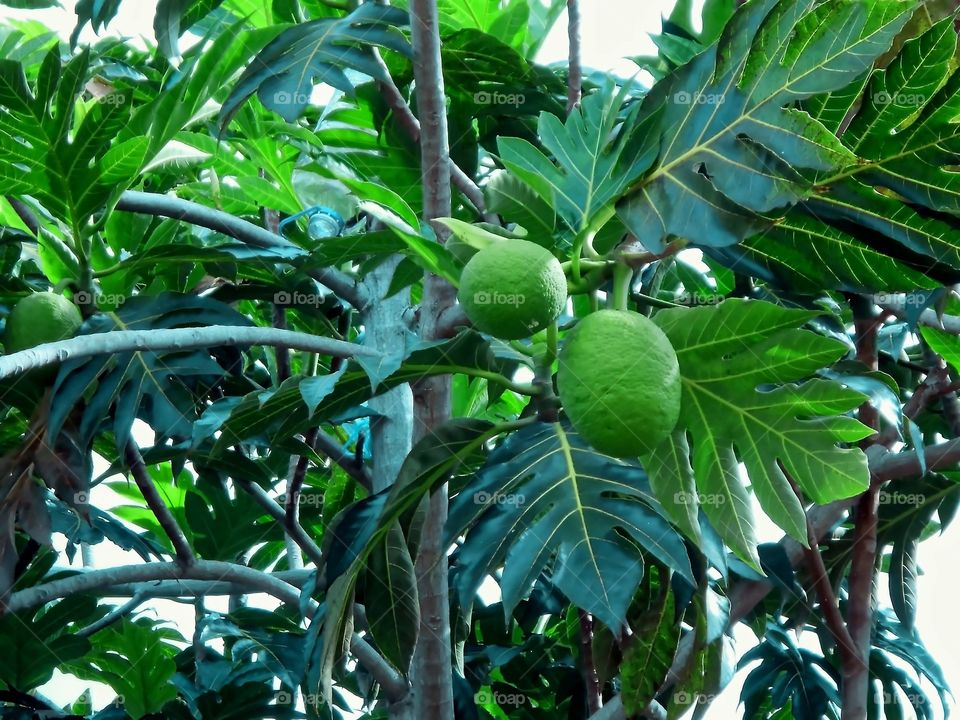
619, 382
40, 318
513, 289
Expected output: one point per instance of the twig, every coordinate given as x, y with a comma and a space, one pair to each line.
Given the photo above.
157, 506
118, 612
296, 531
117, 341
351, 464
575, 70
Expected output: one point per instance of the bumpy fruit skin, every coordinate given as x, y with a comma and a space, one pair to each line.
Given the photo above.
513, 289
619, 382
40, 318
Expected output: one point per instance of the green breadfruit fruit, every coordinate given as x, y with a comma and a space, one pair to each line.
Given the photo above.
513, 289
619, 382
40, 318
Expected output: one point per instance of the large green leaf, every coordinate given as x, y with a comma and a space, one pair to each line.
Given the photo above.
545, 495
740, 362
284, 72
136, 659
731, 142
591, 170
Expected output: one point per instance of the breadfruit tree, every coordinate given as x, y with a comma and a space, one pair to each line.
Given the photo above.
440, 383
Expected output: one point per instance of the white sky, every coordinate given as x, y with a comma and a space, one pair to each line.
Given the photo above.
611, 31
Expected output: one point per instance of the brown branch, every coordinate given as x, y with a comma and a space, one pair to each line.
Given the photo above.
587, 665
157, 506
432, 665
411, 125
574, 69
299, 535
855, 687
208, 570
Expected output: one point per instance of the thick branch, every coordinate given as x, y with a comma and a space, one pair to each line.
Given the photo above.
209, 570
432, 665
173, 339
408, 121
574, 69
157, 506
98, 580
340, 283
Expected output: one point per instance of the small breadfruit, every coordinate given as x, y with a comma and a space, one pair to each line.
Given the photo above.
619, 382
40, 318
513, 289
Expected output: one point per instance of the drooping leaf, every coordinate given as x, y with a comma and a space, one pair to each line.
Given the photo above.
284, 72
393, 610
546, 495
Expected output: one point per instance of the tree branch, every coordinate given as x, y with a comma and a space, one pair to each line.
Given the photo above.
134, 201
107, 620
211, 570
574, 67
295, 531
173, 339
411, 125
157, 506
587, 665
432, 665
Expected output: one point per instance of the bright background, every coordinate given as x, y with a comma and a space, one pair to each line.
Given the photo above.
611, 30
